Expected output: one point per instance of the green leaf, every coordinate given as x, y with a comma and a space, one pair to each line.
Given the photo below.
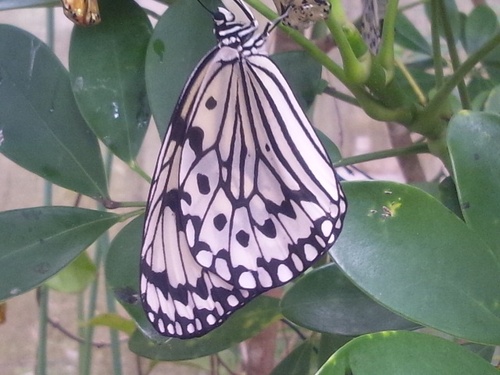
448, 196
122, 271
480, 26
38, 242
408, 353
325, 300
107, 73
414, 256
408, 36
240, 326
473, 140
299, 362
114, 321
75, 277
492, 103
330, 147
303, 74
41, 127
167, 69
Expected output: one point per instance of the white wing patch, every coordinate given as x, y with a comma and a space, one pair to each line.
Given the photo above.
372, 22
243, 197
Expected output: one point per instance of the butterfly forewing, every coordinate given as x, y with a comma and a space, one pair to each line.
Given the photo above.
260, 200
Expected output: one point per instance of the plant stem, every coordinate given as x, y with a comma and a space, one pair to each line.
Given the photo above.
43, 303
436, 45
455, 60
301, 40
340, 95
386, 54
137, 169
43, 291
434, 106
111, 306
418, 148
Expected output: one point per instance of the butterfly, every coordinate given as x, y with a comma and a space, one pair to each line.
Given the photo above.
243, 197
301, 14
372, 22
82, 12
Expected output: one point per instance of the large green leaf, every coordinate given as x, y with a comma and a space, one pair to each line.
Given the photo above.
38, 242
408, 36
41, 127
325, 300
240, 326
303, 74
122, 271
480, 25
122, 274
173, 55
473, 140
408, 353
75, 277
407, 251
301, 361
106, 64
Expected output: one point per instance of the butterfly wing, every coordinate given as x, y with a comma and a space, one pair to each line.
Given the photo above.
180, 297
260, 201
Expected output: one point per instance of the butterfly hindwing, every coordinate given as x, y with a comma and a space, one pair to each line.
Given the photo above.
181, 298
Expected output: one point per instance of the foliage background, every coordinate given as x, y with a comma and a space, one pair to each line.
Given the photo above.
355, 134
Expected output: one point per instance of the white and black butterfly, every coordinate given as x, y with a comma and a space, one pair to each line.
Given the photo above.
243, 197
372, 22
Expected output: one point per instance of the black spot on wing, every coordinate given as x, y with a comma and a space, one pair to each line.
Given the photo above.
268, 229
242, 237
171, 199
195, 137
178, 132
220, 222
203, 183
211, 103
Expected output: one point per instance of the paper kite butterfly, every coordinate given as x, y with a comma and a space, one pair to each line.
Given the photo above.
243, 198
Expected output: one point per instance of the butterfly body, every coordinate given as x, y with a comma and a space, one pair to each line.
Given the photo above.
243, 198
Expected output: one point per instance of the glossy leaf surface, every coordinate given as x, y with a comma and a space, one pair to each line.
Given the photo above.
411, 254
39, 242
40, 125
107, 73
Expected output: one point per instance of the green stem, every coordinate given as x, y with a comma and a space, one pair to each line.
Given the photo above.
43, 308
111, 306
101, 248
340, 95
436, 45
128, 215
301, 40
386, 54
137, 169
431, 111
418, 148
455, 60
43, 291
355, 70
